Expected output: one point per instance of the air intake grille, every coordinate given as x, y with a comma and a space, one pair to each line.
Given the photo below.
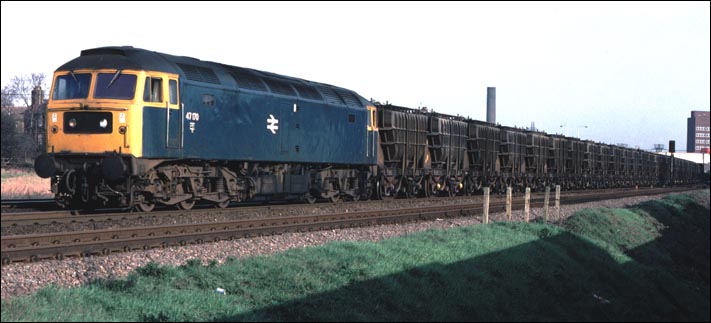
245, 79
330, 96
280, 87
307, 92
200, 74
349, 98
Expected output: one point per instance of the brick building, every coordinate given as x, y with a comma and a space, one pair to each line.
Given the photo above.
697, 132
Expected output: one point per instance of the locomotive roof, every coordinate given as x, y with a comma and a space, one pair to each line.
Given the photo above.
211, 73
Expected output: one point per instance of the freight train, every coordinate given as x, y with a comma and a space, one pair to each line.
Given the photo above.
135, 128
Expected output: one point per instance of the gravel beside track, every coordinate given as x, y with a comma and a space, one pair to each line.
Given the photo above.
26, 278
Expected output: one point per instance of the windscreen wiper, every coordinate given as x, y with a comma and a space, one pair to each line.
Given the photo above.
118, 72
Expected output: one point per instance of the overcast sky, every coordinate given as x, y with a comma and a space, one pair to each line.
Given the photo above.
630, 72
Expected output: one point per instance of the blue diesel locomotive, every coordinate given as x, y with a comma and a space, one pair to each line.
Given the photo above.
132, 127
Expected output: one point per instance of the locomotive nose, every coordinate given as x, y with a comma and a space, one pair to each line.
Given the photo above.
45, 166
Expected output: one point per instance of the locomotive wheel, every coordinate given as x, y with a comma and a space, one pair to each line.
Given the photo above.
222, 205
145, 206
333, 190
309, 199
184, 205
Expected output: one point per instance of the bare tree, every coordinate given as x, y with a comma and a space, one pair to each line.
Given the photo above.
21, 87
8, 146
6, 97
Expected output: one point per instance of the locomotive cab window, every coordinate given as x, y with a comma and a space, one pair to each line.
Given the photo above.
115, 86
173, 88
71, 86
153, 91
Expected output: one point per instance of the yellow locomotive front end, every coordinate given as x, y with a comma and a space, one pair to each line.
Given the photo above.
94, 112
94, 122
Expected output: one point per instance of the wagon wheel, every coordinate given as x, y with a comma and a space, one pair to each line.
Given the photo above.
452, 188
468, 186
500, 185
420, 188
383, 191
471, 186
433, 188
409, 189
426, 187
380, 192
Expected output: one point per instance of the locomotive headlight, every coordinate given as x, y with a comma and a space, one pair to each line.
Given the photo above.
72, 123
122, 130
55, 129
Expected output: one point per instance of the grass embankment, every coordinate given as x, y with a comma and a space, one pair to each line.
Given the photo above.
24, 184
647, 263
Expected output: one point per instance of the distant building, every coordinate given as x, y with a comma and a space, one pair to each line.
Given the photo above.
19, 114
697, 132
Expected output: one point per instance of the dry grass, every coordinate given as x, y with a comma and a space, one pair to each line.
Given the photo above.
24, 184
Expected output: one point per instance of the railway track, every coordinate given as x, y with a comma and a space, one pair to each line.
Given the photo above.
34, 247
44, 204
26, 218
58, 217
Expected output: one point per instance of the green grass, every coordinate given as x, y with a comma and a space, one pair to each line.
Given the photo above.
646, 263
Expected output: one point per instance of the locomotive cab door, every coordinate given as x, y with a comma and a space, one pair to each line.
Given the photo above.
173, 116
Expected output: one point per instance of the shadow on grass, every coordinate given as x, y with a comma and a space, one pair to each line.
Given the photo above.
556, 278
684, 246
